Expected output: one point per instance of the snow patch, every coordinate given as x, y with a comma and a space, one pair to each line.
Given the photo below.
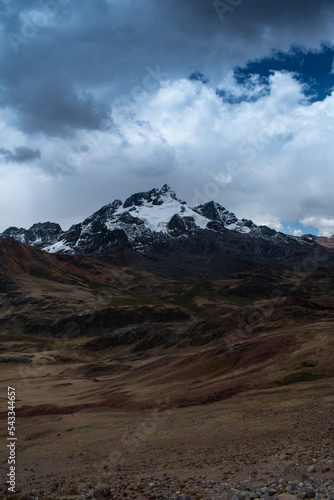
60, 246
156, 217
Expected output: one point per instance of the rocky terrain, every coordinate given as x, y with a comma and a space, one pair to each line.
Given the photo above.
204, 373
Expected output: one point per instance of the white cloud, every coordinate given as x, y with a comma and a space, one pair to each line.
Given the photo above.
270, 221
324, 224
269, 160
260, 150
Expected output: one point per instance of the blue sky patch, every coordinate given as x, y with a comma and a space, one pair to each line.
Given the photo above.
292, 225
313, 69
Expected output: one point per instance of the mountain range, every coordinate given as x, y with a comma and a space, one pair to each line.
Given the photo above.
158, 232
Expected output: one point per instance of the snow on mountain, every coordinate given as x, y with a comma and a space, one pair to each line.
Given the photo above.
156, 213
155, 223
59, 247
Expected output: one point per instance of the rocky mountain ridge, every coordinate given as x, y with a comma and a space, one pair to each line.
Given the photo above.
156, 225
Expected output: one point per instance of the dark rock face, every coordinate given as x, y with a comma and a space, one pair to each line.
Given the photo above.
127, 218
97, 240
154, 196
105, 213
215, 212
161, 233
39, 235
215, 226
177, 225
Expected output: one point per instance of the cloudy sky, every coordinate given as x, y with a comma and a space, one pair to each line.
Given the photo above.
230, 100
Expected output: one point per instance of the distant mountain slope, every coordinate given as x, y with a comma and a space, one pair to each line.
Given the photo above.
326, 242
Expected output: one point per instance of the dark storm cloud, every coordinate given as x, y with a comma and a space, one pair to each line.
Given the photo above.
54, 108
42, 79
72, 58
21, 154
68, 65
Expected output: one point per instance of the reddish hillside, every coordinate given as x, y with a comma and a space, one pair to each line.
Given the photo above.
326, 242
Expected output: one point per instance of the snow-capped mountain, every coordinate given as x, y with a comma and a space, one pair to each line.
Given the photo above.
141, 215
156, 224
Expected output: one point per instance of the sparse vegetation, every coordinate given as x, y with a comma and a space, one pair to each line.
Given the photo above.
223, 362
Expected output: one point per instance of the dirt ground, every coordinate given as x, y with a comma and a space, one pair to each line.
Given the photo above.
278, 432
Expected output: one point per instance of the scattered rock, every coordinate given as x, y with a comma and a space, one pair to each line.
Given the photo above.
173, 488
309, 493
103, 492
243, 495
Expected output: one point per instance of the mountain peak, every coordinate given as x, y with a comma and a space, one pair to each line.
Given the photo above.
167, 189
154, 196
